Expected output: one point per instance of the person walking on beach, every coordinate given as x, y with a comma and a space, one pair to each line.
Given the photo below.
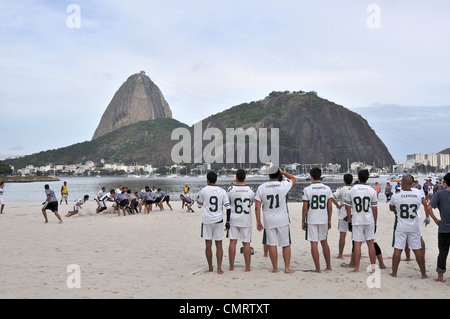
241, 199
388, 191
271, 200
362, 212
316, 216
441, 201
377, 188
64, 193
212, 198
77, 205
408, 225
339, 196
2, 200
51, 203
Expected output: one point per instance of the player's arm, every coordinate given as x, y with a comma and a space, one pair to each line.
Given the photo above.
259, 225
375, 214
429, 212
304, 212
330, 211
290, 177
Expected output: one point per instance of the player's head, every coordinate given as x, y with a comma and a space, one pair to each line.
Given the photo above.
86, 197
348, 179
240, 175
46, 186
2, 184
447, 179
211, 177
112, 191
407, 181
181, 196
363, 175
315, 173
276, 175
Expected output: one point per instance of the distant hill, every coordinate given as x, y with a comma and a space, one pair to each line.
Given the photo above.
312, 129
143, 142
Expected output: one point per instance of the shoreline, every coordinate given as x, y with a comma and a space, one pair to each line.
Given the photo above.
29, 179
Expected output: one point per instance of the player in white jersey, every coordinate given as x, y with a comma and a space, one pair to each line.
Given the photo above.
339, 196
241, 198
77, 205
362, 212
212, 198
271, 200
316, 216
2, 201
408, 226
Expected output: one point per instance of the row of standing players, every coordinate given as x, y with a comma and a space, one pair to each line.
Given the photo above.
357, 212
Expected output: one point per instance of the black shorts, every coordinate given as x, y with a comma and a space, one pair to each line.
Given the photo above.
166, 199
157, 200
53, 206
148, 202
123, 203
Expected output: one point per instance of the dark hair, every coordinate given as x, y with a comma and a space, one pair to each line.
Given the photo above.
240, 175
212, 177
86, 196
348, 179
47, 186
112, 191
447, 179
363, 175
275, 175
315, 173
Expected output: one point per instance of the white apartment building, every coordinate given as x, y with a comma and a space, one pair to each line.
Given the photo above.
438, 160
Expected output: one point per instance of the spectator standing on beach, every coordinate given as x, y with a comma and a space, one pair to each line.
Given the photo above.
2, 200
388, 191
339, 196
441, 201
316, 217
271, 200
377, 188
408, 225
64, 193
213, 198
241, 199
51, 203
362, 212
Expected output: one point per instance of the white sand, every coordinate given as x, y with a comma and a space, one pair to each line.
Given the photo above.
154, 256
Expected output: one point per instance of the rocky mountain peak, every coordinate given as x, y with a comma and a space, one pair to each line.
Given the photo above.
138, 99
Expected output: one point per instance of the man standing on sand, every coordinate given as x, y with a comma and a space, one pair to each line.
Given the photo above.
362, 212
441, 201
2, 201
51, 203
408, 226
64, 193
339, 195
316, 217
212, 198
271, 199
241, 198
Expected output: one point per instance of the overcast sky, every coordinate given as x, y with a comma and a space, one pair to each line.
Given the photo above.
60, 67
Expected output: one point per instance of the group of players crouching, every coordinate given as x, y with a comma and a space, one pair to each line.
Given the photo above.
126, 201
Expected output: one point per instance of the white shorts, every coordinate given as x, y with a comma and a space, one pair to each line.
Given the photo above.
76, 207
342, 226
280, 236
243, 234
213, 231
2, 201
316, 232
413, 239
362, 233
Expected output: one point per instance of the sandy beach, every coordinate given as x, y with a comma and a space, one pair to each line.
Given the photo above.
161, 256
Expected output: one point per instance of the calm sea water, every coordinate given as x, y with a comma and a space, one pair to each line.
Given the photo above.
80, 186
